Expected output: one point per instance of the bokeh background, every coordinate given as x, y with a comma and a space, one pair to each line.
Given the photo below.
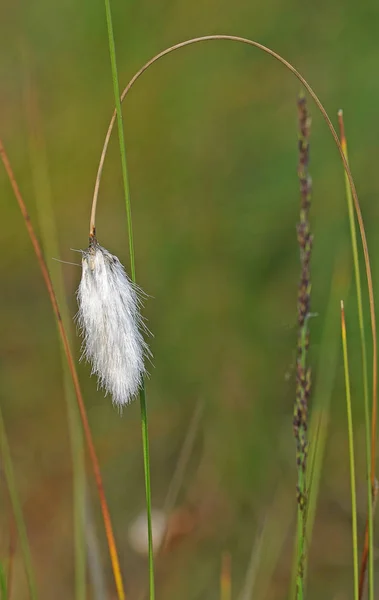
211, 137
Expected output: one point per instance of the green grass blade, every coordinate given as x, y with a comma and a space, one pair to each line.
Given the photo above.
351, 454
144, 422
17, 510
183, 459
327, 366
265, 555
362, 334
49, 234
146, 464
3, 584
121, 137
319, 422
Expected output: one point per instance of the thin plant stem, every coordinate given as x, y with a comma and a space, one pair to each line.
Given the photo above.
3, 584
11, 556
303, 372
351, 454
370, 459
62, 332
49, 233
321, 398
247, 592
278, 522
95, 568
178, 475
146, 465
301, 495
322, 394
142, 393
184, 456
333, 132
17, 509
121, 137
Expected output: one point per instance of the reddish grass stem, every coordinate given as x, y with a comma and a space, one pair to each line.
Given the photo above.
71, 365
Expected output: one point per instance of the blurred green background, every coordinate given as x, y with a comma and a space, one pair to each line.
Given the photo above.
211, 137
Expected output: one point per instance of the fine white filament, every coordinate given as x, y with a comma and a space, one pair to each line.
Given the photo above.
110, 322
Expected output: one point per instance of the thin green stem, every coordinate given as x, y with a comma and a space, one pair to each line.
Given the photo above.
327, 365
358, 285
121, 137
303, 372
301, 486
142, 394
17, 510
300, 546
3, 584
351, 454
146, 465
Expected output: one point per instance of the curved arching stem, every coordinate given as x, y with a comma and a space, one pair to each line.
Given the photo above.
321, 108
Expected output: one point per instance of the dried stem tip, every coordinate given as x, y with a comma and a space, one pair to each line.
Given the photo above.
110, 322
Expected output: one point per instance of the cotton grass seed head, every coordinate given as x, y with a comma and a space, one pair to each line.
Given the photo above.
110, 322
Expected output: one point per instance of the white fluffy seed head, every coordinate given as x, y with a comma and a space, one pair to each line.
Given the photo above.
110, 322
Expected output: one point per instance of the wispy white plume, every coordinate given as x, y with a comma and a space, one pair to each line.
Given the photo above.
110, 322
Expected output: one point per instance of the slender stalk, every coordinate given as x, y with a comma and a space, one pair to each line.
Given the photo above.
146, 465
280, 529
303, 372
248, 591
121, 137
17, 510
183, 458
327, 365
96, 573
370, 459
11, 556
71, 364
321, 398
142, 394
3, 584
351, 454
